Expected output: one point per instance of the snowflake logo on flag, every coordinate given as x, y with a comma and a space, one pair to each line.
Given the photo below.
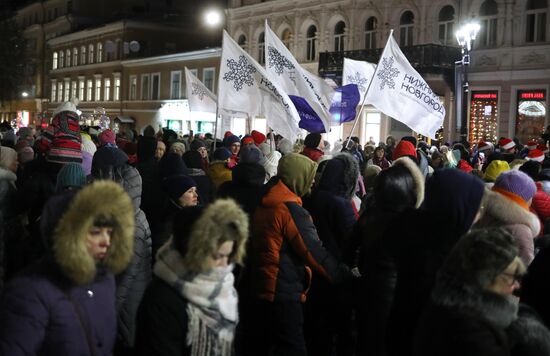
240, 73
277, 60
387, 73
358, 80
197, 90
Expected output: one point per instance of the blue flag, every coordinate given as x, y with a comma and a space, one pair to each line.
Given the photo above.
344, 103
309, 120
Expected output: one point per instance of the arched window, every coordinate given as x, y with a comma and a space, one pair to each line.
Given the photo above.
446, 21
68, 58
75, 56
536, 21
310, 43
406, 27
242, 41
91, 54
339, 36
61, 58
487, 35
261, 48
99, 52
370, 32
82, 55
54, 60
286, 37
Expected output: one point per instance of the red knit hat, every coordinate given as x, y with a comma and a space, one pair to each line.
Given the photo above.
506, 143
536, 155
532, 144
404, 148
227, 133
259, 137
107, 136
247, 140
484, 146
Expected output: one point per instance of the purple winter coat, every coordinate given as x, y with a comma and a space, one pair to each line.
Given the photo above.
45, 319
37, 316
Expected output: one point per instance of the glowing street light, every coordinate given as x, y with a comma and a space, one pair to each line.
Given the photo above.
465, 37
213, 18
24, 94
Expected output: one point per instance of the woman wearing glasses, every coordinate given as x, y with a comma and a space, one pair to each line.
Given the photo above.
472, 310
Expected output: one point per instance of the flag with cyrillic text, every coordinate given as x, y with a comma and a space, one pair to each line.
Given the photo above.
295, 80
200, 98
245, 86
399, 91
359, 73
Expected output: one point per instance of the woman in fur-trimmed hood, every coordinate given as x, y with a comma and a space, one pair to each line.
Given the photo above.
65, 304
190, 307
472, 310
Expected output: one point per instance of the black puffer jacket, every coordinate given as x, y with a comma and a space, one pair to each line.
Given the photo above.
245, 187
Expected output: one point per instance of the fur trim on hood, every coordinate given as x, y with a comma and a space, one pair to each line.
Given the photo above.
102, 198
450, 293
502, 209
340, 175
417, 176
222, 221
8, 175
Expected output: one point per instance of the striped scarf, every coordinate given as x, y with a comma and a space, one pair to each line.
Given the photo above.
212, 302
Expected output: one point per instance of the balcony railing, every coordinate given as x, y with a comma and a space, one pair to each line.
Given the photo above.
426, 59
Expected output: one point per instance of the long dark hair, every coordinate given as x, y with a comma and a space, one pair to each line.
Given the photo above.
395, 189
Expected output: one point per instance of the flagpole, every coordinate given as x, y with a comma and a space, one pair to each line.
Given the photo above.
365, 97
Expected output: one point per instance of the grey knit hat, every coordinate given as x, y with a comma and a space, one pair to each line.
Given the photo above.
480, 256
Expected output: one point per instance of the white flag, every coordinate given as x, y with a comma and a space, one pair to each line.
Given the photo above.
200, 98
359, 73
244, 86
400, 92
295, 80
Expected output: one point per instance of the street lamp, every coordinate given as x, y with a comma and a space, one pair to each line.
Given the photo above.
213, 17
24, 94
465, 37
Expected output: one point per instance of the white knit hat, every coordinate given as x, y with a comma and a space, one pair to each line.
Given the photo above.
67, 106
87, 145
271, 163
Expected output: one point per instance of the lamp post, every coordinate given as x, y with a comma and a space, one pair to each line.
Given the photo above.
465, 37
214, 18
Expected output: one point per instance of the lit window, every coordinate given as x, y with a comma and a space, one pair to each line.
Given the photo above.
175, 85
54, 60
107, 90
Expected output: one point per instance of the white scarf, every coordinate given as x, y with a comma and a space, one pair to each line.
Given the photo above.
212, 302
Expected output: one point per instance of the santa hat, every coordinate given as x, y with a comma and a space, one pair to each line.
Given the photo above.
484, 146
67, 106
535, 155
532, 144
506, 143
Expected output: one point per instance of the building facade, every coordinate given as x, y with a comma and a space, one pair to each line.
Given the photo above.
509, 73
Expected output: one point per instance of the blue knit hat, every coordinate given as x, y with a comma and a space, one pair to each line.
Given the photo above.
518, 183
221, 154
71, 175
231, 139
176, 185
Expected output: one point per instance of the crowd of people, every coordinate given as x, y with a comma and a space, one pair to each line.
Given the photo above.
155, 244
